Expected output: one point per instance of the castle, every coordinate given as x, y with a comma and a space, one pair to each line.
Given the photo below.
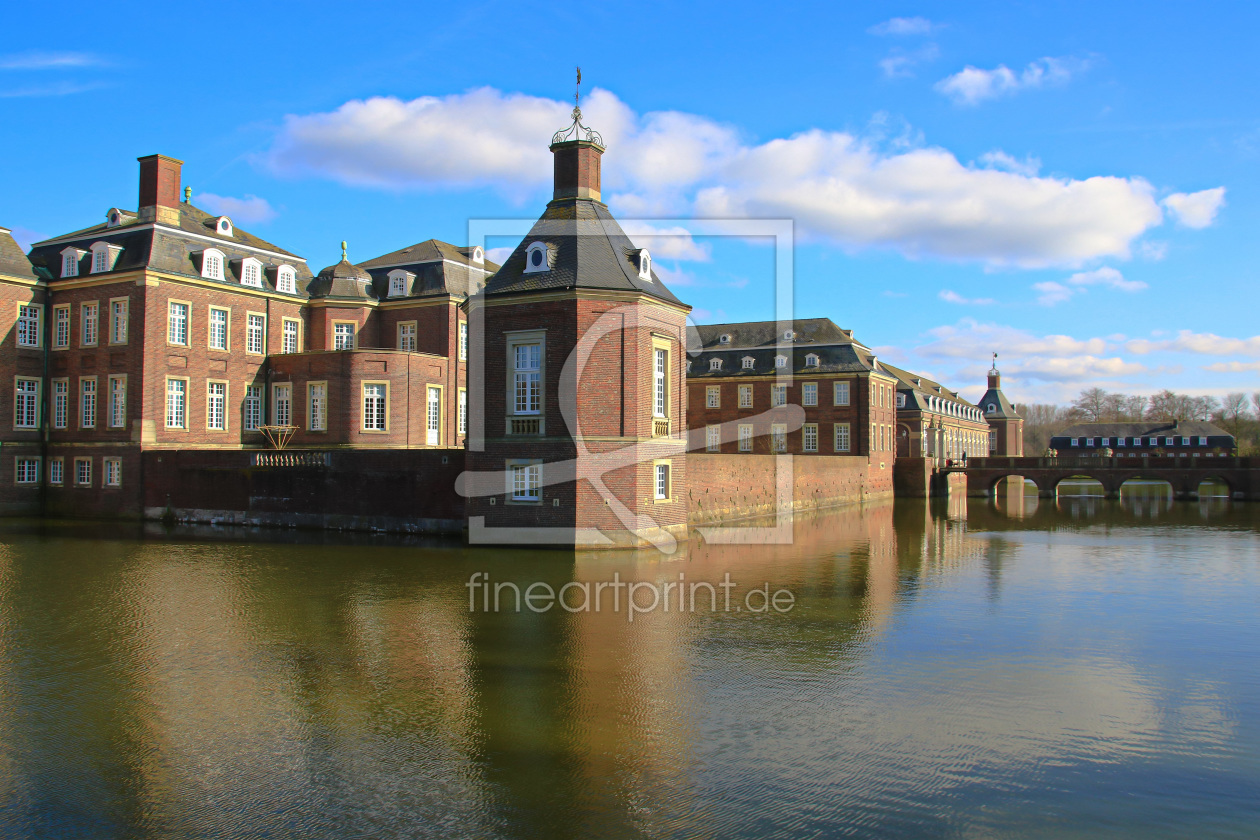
167, 363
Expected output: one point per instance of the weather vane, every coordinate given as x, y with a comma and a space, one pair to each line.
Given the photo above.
577, 131
995, 360
577, 95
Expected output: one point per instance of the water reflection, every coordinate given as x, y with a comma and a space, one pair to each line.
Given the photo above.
954, 667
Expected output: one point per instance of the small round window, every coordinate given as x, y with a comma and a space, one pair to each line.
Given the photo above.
536, 258
223, 225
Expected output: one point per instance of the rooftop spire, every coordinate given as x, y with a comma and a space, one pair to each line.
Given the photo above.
343, 250
577, 131
994, 368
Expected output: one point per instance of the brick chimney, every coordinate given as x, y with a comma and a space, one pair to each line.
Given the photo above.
159, 189
577, 169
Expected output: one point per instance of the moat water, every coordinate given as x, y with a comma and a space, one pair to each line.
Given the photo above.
972, 668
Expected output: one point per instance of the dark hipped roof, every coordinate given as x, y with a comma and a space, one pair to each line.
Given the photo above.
1002, 406
1146, 428
13, 260
767, 333
915, 387
344, 281
832, 358
163, 248
440, 268
589, 250
430, 250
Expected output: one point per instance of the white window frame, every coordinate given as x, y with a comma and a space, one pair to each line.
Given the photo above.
745, 437
282, 403
61, 403
251, 408
119, 317
542, 264
778, 438
213, 328
176, 402
345, 335
662, 481
524, 481
748, 362
809, 437
660, 382
286, 279
317, 406
407, 336
841, 393
212, 261
715, 364
713, 438
56, 471
117, 408
70, 258
811, 360
809, 393
290, 335
525, 395
178, 328
29, 321
778, 394
645, 265
463, 341
82, 472
88, 392
713, 396
26, 400
398, 283
61, 326
375, 404
255, 333
780, 361
745, 396
842, 438
251, 273
112, 472
462, 413
90, 316
216, 405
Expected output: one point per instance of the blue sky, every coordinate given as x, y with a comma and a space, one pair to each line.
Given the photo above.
1072, 185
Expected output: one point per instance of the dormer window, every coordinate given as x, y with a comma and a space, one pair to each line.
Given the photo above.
715, 364
113, 218
223, 225
286, 280
789, 335
645, 265
901, 401
251, 273
104, 255
724, 338
212, 264
399, 282
811, 360
478, 255
748, 362
537, 258
70, 262
990, 409
780, 361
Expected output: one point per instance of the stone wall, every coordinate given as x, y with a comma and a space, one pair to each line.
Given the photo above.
728, 487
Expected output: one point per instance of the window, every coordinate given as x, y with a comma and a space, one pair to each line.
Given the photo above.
713, 396
70, 262
289, 336
251, 273
745, 437
397, 284
87, 402
1152, 441
218, 329
212, 264
1185, 441
901, 401
662, 481
223, 225
780, 361
177, 323
118, 321
253, 408
809, 437
809, 393
1106, 442
1075, 442
28, 325
811, 360
745, 396
527, 378
176, 403
286, 280
1203, 441
748, 362
216, 406
1120, 441
840, 393
407, 336
778, 395
537, 258
462, 418
778, 438
317, 406
463, 341
715, 364
61, 326
83, 472
1169, 441
56, 471
100, 260
788, 335
841, 437
255, 329
374, 407
724, 338
27, 470
61, 403
343, 336
89, 311
645, 265
713, 438
993, 440
117, 402
433, 417
525, 479
26, 404
113, 472
660, 383
282, 404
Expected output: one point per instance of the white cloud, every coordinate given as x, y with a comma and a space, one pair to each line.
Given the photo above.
854, 191
1051, 293
1233, 367
900, 64
1196, 210
998, 159
673, 243
38, 60
1206, 344
972, 85
953, 297
903, 26
976, 340
498, 255
248, 210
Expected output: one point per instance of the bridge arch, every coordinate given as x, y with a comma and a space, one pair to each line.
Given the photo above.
996, 480
1102, 486
1215, 480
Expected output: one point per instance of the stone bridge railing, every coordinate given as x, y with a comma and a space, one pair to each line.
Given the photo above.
1184, 474
283, 458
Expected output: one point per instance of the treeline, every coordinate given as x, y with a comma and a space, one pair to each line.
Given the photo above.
1236, 413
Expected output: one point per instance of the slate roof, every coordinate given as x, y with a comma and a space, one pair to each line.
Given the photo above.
1146, 428
440, 268
344, 281
13, 260
1004, 409
916, 388
589, 250
767, 333
832, 358
163, 248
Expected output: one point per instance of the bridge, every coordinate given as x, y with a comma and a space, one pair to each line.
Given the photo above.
1241, 475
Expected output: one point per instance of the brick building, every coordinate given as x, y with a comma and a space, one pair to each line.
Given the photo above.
1159, 438
935, 422
1006, 426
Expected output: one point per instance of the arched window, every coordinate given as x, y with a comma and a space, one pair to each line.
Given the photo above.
780, 361
399, 280
715, 364
990, 409
286, 280
478, 255
724, 338
748, 362
251, 273
212, 264
789, 335
811, 360
537, 258
223, 226
645, 265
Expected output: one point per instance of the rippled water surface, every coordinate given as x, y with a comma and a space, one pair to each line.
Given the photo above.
973, 669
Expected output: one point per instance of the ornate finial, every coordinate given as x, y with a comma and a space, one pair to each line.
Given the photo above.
577, 131
343, 250
188, 195
995, 360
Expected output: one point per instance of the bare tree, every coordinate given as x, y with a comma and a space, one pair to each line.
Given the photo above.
1202, 408
1167, 405
1041, 422
1132, 408
1234, 411
1093, 405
